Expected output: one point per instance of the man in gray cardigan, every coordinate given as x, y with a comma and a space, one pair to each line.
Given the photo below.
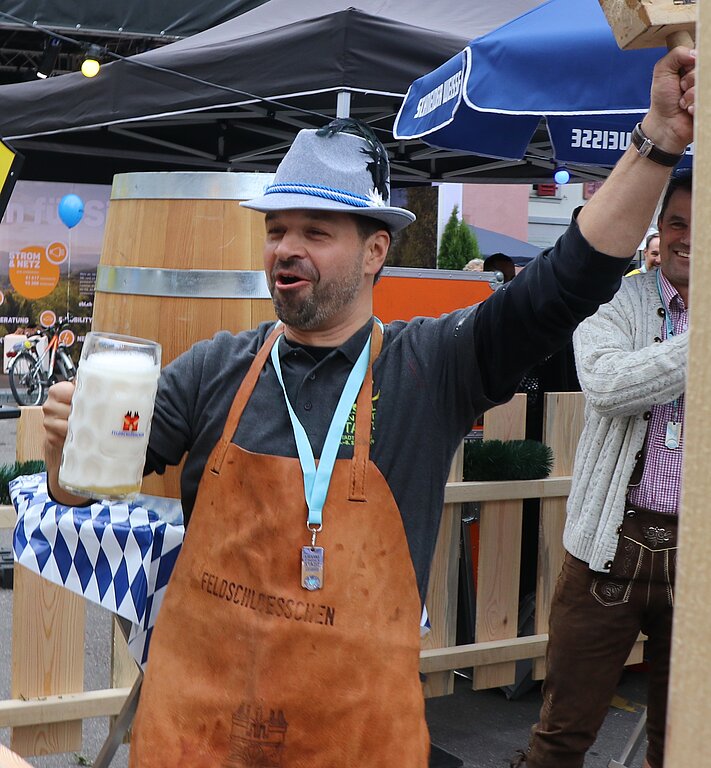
620, 534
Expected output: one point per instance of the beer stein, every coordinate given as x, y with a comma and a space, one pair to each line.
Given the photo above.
110, 416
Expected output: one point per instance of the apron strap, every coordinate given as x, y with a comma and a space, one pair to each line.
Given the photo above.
361, 451
241, 398
363, 423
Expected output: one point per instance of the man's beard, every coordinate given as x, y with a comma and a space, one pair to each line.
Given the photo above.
324, 301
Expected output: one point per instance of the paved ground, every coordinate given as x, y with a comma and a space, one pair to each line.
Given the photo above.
483, 728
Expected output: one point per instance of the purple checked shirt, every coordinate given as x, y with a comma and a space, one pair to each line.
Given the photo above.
661, 479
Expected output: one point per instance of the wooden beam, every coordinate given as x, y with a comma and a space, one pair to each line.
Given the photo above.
47, 632
493, 652
124, 669
29, 443
563, 418
549, 487
16, 713
442, 592
8, 518
455, 493
483, 654
499, 554
47, 657
688, 724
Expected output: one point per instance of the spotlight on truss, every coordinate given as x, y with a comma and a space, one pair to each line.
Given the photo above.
49, 57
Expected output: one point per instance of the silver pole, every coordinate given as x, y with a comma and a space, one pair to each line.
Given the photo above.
343, 105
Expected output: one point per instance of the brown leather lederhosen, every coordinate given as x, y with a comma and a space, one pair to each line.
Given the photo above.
246, 667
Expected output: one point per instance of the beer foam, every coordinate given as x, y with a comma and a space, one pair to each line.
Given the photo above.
123, 362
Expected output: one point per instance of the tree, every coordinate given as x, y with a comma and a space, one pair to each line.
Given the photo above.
448, 243
468, 245
458, 245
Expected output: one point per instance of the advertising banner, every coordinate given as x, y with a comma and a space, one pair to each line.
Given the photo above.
47, 269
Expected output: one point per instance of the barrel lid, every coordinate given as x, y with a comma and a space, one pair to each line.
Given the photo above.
189, 185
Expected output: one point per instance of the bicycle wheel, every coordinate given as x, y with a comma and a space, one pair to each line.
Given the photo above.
64, 368
26, 380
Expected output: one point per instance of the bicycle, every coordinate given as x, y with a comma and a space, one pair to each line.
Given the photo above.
32, 374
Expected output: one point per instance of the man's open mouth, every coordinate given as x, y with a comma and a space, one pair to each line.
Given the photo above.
286, 280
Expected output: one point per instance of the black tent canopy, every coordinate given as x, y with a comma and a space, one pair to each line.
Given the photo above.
174, 19
232, 97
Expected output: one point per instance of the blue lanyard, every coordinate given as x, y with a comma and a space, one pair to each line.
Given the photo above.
317, 480
667, 313
670, 334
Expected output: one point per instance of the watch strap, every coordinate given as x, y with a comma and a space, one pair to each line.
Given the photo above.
647, 148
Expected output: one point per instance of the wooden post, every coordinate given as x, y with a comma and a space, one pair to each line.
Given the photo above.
29, 444
442, 592
124, 670
499, 554
47, 633
688, 724
563, 418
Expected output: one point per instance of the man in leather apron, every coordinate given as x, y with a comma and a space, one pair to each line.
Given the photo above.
317, 453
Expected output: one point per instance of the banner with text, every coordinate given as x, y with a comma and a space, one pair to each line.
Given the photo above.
47, 270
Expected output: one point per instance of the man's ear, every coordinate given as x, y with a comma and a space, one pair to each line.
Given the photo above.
376, 251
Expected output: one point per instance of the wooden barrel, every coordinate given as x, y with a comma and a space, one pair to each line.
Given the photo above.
181, 260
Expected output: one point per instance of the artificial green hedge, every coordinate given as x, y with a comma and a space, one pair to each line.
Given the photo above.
506, 460
11, 471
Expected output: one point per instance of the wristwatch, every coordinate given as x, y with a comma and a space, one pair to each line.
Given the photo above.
647, 148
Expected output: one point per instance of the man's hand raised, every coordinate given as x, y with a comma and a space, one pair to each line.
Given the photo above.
669, 122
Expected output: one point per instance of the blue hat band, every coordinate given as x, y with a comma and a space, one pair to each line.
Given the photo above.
316, 190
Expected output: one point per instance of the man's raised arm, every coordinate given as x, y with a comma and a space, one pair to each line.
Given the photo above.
615, 219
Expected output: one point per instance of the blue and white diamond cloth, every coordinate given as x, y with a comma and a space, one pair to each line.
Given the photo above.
117, 554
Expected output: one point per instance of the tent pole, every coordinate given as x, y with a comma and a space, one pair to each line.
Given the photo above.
343, 105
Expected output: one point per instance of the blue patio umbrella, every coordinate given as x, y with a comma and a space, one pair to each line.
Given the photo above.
558, 62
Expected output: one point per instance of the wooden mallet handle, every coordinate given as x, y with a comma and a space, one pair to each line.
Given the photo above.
682, 37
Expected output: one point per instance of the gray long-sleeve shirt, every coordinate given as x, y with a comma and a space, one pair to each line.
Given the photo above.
433, 378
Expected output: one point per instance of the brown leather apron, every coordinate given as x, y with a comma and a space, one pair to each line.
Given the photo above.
247, 668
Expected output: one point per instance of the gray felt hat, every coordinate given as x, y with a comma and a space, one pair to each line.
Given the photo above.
332, 170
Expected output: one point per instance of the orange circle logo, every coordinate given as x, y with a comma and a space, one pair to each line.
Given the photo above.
67, 338
31, 273
2, 297
57, 253
47, 318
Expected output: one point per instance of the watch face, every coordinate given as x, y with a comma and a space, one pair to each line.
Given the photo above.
647, 148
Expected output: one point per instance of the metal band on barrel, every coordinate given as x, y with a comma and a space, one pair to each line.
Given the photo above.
189, 185
182, 283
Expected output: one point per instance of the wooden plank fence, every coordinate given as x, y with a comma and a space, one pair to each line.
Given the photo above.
48, 701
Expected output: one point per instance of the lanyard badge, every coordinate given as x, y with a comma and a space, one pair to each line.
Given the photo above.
318, 479
672, 435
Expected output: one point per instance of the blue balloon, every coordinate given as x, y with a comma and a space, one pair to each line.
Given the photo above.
71, 210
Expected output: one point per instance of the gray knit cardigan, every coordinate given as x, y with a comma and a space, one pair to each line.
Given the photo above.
624, 368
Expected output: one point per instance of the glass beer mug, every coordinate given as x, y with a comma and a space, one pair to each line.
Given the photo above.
110, 417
